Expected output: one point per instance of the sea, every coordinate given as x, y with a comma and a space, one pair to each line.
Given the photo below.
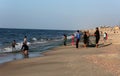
39, 41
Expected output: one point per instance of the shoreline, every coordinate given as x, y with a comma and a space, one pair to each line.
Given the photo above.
62, 61
10, 57
70, 61
18, 56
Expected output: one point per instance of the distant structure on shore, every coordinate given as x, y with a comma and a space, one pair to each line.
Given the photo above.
108, 29
114, 29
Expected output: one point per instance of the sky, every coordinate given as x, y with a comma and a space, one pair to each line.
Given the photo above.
59, 14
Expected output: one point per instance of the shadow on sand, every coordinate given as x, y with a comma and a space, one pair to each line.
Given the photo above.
100, 45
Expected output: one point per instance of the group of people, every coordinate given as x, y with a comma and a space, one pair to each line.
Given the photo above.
86, 35
77, 35
24, 48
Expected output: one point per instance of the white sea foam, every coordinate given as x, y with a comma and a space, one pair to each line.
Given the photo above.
34, 39
69, 37
9, 48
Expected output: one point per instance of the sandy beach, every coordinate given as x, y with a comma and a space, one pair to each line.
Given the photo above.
69, 61
59, 38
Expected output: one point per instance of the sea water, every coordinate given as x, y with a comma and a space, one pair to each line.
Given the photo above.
39, 41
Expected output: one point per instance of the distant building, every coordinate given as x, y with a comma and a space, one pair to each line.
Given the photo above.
105, 28
116, 28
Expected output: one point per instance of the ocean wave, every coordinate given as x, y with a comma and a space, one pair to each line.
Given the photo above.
34, 39
8, 49
33, 43
69, 37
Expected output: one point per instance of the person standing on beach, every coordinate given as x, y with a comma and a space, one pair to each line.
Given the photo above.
65, 39
88, 35
104, 36
77, 38
13, 45
85, 39
25, 40
25, 49
73, 38
97, 35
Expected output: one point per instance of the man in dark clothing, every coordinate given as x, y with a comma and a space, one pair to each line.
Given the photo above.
25, 49
97, 35
77, 38
65, 39
85, 39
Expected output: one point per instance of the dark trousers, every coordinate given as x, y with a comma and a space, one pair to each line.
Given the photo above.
77, 42
64, 43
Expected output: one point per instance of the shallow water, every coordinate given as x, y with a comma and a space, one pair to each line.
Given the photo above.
38, 42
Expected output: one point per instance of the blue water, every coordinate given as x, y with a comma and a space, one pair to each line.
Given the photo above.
38, 41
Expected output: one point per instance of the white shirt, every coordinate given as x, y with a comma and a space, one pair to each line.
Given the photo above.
104, 35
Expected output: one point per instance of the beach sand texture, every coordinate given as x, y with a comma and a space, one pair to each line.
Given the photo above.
69, 61
61, 61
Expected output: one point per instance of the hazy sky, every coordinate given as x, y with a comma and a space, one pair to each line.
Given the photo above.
58, 14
